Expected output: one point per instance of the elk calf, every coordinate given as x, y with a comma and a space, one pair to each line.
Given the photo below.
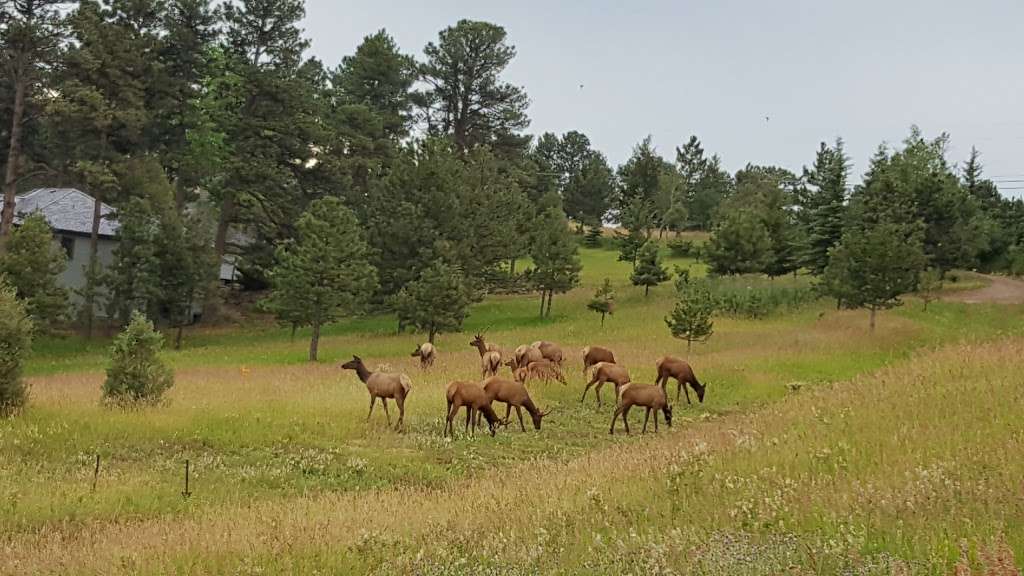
514, 394
524, 355
606, 372
550, 350
539, 370
490, 360
426, 352
650, 396
382, 385
672, 367
593, 355
476, 400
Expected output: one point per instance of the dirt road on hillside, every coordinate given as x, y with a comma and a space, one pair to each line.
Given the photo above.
1002, 290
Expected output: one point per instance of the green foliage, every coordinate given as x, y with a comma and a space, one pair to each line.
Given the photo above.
438, 301
649, 270
638, 218
15, 340
555, 257
683, 248
134, 278
324, 273
756, 297
823, 206
603, 301
594, 237
380, 77
137, 375
640, 179
691, 319
1016, 260
929, 283
32, 264
740, 244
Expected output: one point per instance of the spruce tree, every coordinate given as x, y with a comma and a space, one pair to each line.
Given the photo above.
823, 206
603, 301
15, 342
134, 279
137, 375
438, 301
324, 273
32, 265
929, 283
740, 245
556, 262
649, 270
691, 319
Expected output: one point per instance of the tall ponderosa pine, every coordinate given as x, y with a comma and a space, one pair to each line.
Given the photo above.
379, 77
556, 262
438, 301
324, 273
466, 98
32, 264
649, 270
31, 36
640, 176
823, 206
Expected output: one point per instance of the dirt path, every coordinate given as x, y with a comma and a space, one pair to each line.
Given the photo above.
1001, 290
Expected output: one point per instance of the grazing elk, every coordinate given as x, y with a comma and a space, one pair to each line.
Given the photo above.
672, 367
513, 394
607, 372
539, 370
477, 402
550, 350
426, 352
593, 355
490, 360
650, 396
382, 385
524, 355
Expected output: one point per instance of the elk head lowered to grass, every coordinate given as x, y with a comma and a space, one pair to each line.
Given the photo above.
382, 385
650, 396
426, 352
672, 367
490, 360
476, 400
514, 394
539, 370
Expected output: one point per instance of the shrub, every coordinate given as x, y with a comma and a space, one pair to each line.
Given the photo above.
136, 374
681, 248
755, 297
593, 237
15, 338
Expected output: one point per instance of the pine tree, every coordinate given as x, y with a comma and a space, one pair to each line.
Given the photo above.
929, 283
324, 273
740, 245
823, 206
557, 265
691, 319
184, 251
379, 77
649, 270
603, 301
32, 265
438, 301
15, 342
638, 218
137, 374
640, 176
134, 278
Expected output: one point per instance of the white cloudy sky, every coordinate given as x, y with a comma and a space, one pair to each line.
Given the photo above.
816, 69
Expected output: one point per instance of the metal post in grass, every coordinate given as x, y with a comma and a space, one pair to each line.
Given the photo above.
96, 473
186, 493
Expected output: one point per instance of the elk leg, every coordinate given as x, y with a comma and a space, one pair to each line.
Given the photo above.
685, 391
615, 416
373, 399
647, 416
519, 413
448, 423
508, 410
597, 392
401, 412
384, 401
655, 421
625, 419
469, 416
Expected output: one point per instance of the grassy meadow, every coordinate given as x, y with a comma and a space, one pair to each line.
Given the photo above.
820, 449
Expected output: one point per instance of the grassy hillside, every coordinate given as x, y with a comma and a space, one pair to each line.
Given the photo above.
819, 446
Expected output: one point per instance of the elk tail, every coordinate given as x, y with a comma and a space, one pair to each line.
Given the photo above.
406, 383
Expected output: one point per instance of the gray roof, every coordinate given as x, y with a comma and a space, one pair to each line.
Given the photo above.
66, 210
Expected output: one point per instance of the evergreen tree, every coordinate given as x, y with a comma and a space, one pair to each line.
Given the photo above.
466, 98
691, 319
873, 266
740, 244
379, 77
649, 270
637, 218
32, 264
556, 262
640, 176
324, 272
438, 301
137, 374
929, 283
134, 278
15, 342
184, 250
823, 206
603, 301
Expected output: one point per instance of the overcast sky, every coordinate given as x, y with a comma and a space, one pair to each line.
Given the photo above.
757, 81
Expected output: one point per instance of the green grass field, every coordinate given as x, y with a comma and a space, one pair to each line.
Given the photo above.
820, 449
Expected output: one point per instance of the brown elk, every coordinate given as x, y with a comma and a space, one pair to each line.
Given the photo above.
426, 352
672, 367
490, 360
650, 396
539, 370
514, 394
550, 350
477, 402
382, 385
592, 355
524, 355
607, 372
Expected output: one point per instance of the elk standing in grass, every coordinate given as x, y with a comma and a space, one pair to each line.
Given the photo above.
539, 370
514, 394
550, 350
607, 372
650, 396
477, 402
672, 367
426, 352
592, 355
490, 360
382, 385
524, 355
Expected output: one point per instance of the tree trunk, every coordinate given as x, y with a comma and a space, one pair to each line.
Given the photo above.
512, 267
873, 310
13, 160
647, 290
602, 319
314, 342
433, 332
551, 296
295, 326
177, 337
689, 345
543, 294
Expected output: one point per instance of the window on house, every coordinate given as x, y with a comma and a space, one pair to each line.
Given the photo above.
68, 244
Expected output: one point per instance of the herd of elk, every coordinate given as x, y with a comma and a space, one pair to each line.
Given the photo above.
540, 360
